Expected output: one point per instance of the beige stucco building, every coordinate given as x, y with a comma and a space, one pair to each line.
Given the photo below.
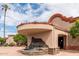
54, 32
10, 39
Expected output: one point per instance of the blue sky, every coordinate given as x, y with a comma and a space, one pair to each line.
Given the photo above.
29, 12
18, 13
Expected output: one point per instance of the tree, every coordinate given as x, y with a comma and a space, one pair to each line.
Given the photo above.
74, 31
5, 7
20, 39
2, 41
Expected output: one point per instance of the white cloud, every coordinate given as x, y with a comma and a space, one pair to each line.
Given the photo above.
67, 9
13, 18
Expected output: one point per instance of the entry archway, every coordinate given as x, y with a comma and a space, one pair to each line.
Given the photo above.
62, 41
37, 42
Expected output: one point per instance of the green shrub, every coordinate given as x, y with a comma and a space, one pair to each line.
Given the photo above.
20, 39
74, 31
2, 41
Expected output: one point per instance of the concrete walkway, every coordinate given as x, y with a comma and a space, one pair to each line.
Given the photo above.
68, 53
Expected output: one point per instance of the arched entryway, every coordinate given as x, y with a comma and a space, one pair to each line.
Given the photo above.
62, 41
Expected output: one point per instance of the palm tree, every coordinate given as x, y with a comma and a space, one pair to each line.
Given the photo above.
5, 7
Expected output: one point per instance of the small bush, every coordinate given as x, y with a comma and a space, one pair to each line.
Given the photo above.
20, 39
6, 44
12, 44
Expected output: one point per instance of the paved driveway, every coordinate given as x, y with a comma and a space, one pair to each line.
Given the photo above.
14, 51
10, 51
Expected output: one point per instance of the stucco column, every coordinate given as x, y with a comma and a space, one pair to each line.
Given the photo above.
53, 49
28, 41
67, 38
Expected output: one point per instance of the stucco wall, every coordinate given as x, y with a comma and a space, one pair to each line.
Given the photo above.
62, 24
35, 26
73, 41
10, 40
46, 37
50, 37
56, 35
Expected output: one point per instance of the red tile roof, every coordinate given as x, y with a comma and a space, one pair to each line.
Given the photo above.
63, 18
